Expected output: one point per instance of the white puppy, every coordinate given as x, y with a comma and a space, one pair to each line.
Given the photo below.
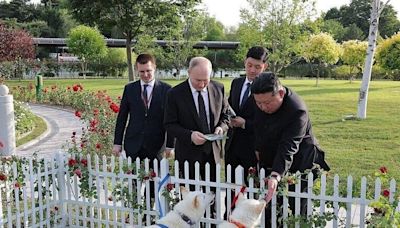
247, 213
188, 211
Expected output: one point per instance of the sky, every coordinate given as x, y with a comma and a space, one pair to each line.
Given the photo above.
227, 11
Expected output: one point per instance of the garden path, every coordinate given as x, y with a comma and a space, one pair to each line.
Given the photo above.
60, 125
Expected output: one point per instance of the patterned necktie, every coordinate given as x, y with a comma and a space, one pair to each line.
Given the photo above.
202, 114
246, 94
145, 97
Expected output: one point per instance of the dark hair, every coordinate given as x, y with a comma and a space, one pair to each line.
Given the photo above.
257, 52
266, 82
145, 58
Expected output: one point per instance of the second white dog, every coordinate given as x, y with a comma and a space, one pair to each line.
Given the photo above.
247, 213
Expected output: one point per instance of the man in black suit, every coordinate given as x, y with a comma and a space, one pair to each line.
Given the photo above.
143, 101
284, 138
195, 107
239, 147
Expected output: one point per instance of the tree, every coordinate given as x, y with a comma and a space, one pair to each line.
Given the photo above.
376, 11
277, 25
87, 44
15, 46
321, 49
334, 28
352, 32
354, 52
132, 17
388, 53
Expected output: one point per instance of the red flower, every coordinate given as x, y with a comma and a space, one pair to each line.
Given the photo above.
383, 169
129, 172
98, 146
71, 162
77, 88
110, 198
93, 123
84, 162
78, 114
82, 145
17, 185
114, 107
1, 145
96, 111
386, 193
170, 186
78, 172
153, 174
3, 177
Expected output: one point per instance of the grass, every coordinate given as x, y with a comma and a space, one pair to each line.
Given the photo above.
40, 127
353, 147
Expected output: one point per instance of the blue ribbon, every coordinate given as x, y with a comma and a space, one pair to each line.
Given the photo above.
163, 181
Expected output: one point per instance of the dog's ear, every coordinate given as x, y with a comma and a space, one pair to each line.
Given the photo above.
184, 192
261, 206
196, 202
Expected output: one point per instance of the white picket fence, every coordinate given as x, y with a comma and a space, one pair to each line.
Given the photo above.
49, 194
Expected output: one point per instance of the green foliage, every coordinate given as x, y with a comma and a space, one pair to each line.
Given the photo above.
354, 53
334, 28
276, 25
113, 64
388, 53
321, 48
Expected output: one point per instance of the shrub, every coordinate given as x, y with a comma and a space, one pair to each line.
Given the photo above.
24, 119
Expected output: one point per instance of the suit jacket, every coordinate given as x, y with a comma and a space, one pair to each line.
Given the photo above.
143, 132
285, 139
181, 118
241, 141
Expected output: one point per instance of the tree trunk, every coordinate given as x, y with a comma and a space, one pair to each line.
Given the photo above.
373, 32
128, 45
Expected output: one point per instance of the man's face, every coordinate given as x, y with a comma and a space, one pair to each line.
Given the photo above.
269, 103
254, 67
146, 71
199, 76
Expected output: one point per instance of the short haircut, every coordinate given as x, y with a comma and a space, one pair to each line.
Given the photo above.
195, 61
258, 52
266, 82
145, 58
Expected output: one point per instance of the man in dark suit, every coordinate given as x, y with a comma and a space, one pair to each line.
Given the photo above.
143, 101
284, 138
195, 107
239, 147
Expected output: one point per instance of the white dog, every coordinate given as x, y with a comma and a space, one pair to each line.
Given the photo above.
247, 213
188, 211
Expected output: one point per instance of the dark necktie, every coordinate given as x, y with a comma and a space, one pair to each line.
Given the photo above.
245, 94
202, 114
145, 97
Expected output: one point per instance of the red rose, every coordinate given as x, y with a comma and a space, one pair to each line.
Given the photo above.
78, 114
3, 177
383, 169
75, 88
1, 145
386, 193
17, 185
96, 111
98, 146
153, 174
252, 171
84, 162
78, 172
170, 186
71, 162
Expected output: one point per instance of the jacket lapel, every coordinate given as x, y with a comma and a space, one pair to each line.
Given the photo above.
188, 100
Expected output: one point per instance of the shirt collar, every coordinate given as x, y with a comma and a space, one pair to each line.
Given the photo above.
247, 81
151, 83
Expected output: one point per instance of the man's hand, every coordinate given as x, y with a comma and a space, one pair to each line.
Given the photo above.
198, 138
116, 150
168, 153
272, 185
238, 122
257, 155
219, 131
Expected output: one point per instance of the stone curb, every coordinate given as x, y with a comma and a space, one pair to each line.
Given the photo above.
39, 138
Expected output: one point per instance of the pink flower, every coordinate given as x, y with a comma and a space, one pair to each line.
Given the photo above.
78, 172
1, 145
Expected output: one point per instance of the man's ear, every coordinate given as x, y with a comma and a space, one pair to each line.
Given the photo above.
265, 66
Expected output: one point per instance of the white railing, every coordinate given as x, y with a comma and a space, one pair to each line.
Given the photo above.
109, 190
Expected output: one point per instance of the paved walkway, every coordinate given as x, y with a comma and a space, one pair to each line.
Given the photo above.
60, 125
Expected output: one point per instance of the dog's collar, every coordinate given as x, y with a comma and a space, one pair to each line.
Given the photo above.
162, 226
186, 218
237, 224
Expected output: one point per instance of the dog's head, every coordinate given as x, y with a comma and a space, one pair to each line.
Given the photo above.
194, 204
248, 211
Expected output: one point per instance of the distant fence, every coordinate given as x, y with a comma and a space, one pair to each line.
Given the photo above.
109, 192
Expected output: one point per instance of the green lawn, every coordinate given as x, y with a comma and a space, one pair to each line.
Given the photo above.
353, 147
